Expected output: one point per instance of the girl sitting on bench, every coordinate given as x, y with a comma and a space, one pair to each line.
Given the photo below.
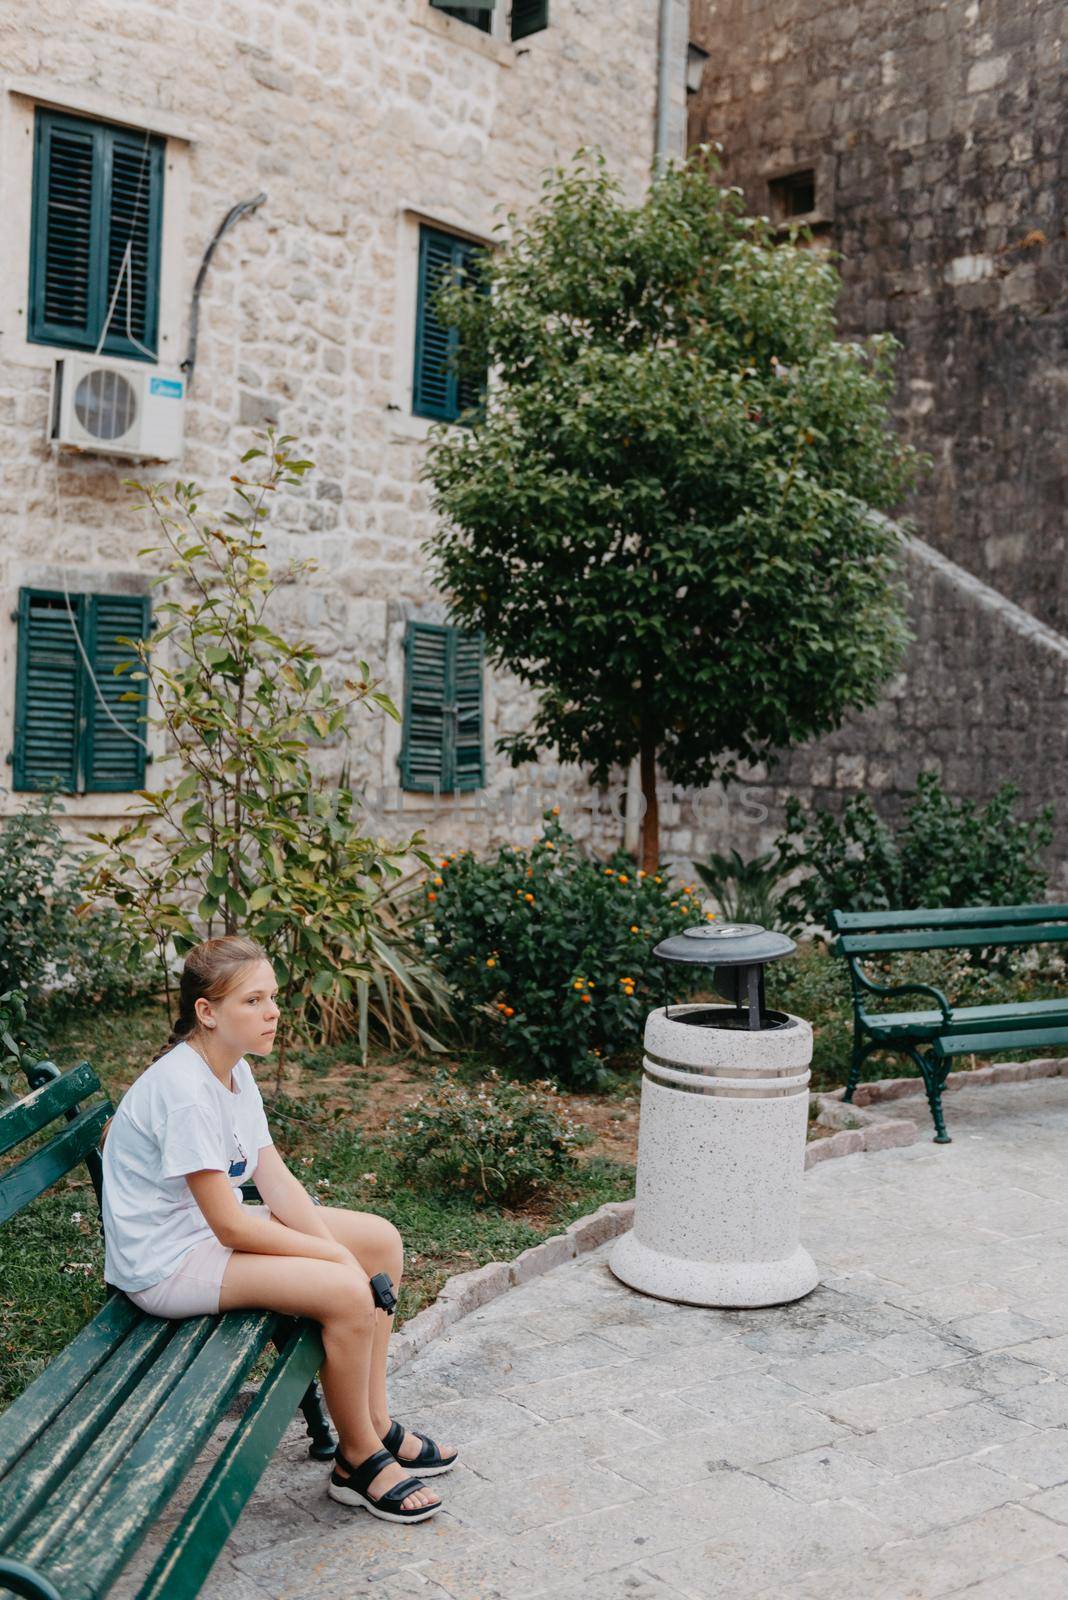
181, 1242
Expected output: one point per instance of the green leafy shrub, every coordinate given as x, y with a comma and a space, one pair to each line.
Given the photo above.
54, 949
548, 953
243, 830
498, 1141
946, 853
744, 891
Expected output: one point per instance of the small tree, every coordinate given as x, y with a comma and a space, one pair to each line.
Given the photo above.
243, 832
662, 521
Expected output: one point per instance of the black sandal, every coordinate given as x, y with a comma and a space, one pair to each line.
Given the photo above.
352, 1491
430, 1462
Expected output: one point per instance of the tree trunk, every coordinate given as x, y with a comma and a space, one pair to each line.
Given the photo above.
651, 819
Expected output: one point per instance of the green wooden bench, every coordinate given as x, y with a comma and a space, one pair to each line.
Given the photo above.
935, 1036
94, 1450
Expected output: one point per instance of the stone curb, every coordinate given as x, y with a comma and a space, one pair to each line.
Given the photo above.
982, 1077
467, 1291
857, 1130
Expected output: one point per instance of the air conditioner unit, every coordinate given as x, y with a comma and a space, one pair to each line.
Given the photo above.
117, 408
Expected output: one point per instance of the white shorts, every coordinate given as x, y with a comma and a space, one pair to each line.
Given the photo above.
193, 1289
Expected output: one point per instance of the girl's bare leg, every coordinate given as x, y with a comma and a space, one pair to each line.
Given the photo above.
340, 1299
377, 1246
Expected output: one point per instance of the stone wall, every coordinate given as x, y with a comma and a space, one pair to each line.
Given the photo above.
980, 700
935, 129
359, 120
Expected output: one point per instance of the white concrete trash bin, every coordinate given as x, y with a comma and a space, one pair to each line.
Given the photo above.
721, 1144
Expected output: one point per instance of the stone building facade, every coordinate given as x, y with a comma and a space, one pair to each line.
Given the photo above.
363, 125
925, 143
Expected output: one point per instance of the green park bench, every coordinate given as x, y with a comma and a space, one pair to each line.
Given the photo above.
934, 1037
92, 1453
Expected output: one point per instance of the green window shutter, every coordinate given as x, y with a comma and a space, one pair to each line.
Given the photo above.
479, 13
95, 188
441, 743
529, 16
439, 389
135, 215
469, 769
114, 756
48, 692
64, 739
423, 755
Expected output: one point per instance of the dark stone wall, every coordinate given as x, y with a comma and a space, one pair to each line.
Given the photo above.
938, 133
980, 700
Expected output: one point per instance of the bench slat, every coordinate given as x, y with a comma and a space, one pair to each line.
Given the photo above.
107, 1430
947, 917
44, 1105
47, 1466
983, 1043
190, 1553
999, 1018
144, 1481
33, 1410
858, 944
32, 1176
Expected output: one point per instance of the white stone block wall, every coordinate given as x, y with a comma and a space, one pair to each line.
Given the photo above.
359, 118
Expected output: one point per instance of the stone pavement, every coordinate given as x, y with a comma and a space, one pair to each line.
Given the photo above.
901, 1434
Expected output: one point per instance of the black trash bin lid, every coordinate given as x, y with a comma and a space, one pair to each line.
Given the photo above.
725, 944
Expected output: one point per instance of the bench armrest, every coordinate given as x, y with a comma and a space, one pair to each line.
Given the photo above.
890, 989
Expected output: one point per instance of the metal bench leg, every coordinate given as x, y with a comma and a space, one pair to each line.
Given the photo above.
934, 1081
323, 1444
861, 1052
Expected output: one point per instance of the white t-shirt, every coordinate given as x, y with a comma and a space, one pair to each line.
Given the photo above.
174, 1119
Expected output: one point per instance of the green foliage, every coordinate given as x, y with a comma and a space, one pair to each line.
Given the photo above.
745, 891
946, 853
498, 1141
549, 954
663, 519
242, 831
55, 950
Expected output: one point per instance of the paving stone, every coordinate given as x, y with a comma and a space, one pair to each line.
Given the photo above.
1043, 1404
937, 1564
618, 1583
872, 1406
1039, 1459
826, 1374
963, 1431
541, 1445
745, 1395
934, 1497
1040, 1580
1000, 1372
686, 1457
999, 1330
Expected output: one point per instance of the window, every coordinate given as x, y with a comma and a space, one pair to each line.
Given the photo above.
479, 16
95, 239
793, 195
527, 16
441, 741
65, 738
440, 389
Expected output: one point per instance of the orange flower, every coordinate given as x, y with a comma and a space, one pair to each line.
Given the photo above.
634, 927
623, 877
529, 898
431, 896
586, 999
490, 962
509, 1011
